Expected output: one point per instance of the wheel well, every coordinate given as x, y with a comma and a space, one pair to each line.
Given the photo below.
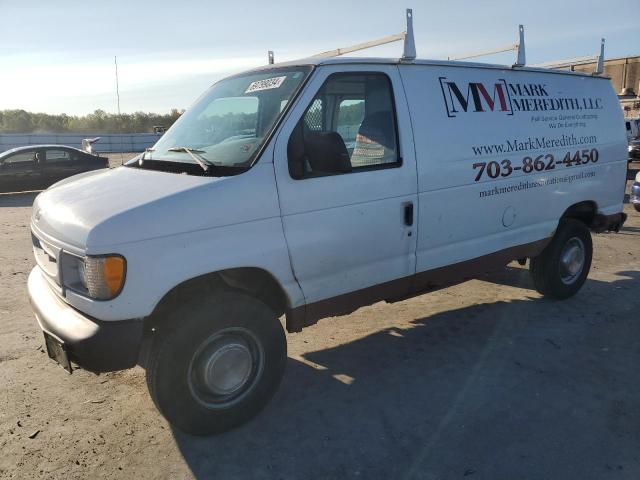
584, 211
255, 281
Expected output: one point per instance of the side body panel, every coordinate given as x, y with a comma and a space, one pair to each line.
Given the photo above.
467, 120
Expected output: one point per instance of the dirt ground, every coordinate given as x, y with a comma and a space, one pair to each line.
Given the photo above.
484, 380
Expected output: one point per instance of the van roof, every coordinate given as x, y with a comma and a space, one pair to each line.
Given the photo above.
417, 61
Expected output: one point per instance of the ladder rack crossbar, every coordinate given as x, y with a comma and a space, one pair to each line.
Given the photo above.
506, 48
361, 46
598, 59
568, 62
518, 47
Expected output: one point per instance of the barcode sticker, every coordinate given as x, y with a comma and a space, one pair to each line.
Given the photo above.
266, 84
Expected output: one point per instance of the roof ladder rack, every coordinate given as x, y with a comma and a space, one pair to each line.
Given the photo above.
519, 47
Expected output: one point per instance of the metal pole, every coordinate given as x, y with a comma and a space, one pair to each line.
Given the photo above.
115, 61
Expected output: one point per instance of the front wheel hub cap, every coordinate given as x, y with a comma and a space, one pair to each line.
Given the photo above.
225, 368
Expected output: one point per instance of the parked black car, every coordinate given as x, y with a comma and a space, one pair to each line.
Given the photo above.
39, 166
634, 149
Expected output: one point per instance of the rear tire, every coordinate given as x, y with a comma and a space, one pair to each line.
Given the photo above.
214, 365
562, 267
637, 207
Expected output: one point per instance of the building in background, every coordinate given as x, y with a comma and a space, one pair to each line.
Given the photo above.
625, 77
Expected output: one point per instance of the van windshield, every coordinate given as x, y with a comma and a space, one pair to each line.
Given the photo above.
227, 126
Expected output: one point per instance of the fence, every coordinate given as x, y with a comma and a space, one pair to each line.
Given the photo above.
130, 142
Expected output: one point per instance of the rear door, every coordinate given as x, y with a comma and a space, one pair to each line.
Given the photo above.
348, 214
60, 163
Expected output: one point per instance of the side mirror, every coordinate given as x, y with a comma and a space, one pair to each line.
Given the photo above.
314, 154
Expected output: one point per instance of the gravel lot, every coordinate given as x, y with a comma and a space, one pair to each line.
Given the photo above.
484, 380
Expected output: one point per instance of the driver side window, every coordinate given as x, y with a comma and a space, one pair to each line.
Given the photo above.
349, 126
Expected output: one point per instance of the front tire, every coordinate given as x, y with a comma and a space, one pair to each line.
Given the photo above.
214, 365
562, 267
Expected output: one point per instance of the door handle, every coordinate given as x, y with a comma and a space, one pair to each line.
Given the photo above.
408, 214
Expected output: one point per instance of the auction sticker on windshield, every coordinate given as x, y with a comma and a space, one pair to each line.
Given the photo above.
266, 84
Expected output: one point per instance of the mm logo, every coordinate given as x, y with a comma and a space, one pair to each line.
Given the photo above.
477, 97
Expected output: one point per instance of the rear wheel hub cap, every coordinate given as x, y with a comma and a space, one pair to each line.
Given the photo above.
572, 260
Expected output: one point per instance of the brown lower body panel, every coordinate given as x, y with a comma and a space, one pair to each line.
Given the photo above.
407, 287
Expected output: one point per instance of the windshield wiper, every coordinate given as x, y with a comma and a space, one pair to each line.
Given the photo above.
195, 154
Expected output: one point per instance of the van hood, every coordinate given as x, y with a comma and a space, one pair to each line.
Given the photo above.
109, 207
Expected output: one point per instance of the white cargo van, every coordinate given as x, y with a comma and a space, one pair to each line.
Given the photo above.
310, 189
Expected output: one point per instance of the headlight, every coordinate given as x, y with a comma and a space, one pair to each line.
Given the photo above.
100, 277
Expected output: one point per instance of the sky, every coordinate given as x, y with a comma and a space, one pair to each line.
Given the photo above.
58, 56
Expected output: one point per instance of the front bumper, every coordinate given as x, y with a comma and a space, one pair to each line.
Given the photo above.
95, 345
635, 193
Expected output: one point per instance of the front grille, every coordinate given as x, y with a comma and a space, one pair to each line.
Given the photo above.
47, 257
